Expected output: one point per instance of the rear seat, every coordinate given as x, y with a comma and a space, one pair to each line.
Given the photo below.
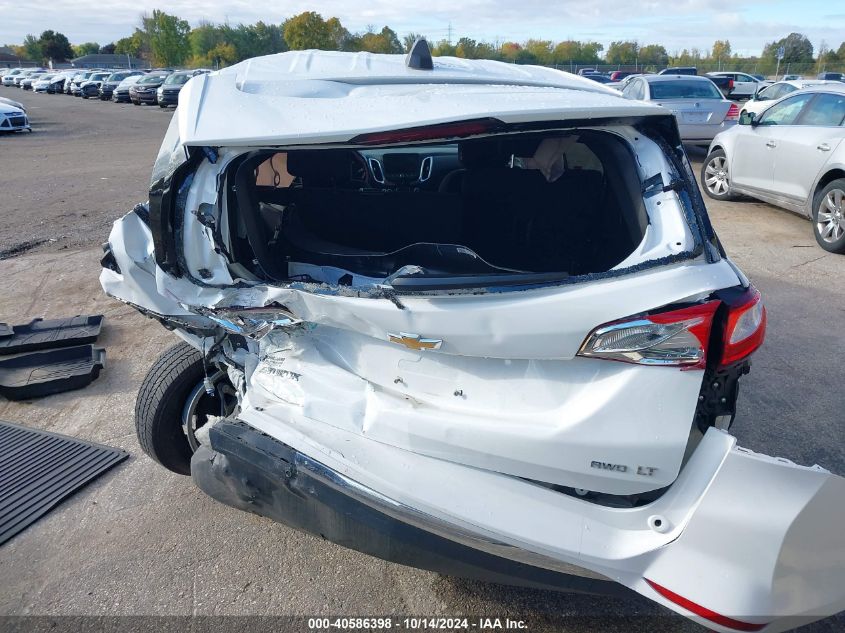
515, 218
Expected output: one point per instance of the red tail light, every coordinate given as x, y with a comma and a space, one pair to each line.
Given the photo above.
733, 113
675, 338
745, 329
459, 129
704, 612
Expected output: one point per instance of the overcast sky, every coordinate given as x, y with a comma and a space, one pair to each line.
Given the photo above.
676, 24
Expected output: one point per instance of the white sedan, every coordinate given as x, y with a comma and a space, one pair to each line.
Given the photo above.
790, 155
767, 95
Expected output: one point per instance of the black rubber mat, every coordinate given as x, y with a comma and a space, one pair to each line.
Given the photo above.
43, 373
39, 469
49, 333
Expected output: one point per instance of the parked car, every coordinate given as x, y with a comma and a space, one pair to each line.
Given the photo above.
17, 79
744, 85
168, 93
13, 119
91, 86
790, 155
108, 86
14, 104
144, 90
57, 83
9, 77
42, 82
679, 70
602, 79
529, 378
78, 79
587, 71
831, 76
619, 75
31, 78
792, 78
121, 92
767, 95
698, 106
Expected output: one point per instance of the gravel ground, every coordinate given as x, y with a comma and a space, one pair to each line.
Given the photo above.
141, 541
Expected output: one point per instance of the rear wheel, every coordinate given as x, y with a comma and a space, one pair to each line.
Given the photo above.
715, 176
829, 217
173, 404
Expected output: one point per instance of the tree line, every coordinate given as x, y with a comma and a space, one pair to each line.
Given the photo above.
163, 39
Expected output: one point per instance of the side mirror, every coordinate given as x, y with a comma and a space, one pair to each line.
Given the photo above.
747, 118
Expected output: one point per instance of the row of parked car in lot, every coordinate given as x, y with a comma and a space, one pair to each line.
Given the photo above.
782, 144
159, 86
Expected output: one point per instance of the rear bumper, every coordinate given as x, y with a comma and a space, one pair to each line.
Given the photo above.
755, 541
251, 471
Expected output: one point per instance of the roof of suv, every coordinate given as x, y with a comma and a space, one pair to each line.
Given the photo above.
302, 97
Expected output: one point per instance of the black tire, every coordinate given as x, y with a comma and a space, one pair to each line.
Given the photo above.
158, 409
716, 182
829, 229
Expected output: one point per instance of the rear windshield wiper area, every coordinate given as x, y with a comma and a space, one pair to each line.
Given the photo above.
504, 211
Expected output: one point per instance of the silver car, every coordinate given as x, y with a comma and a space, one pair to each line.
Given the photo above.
699, 107
790, 155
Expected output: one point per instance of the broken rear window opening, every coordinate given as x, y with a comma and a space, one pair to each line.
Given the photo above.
522, 209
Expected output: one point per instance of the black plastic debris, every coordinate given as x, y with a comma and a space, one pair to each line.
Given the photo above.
39, 469
49, 333
43, 373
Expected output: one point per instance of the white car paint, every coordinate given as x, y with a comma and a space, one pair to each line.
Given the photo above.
783, 164
453, 434
768, 95
745, 85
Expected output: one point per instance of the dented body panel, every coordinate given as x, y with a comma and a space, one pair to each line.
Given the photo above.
525, 421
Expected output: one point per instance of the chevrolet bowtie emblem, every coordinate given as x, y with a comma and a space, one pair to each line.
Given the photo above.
414, 341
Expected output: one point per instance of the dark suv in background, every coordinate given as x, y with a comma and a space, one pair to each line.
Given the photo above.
113, 81
145, 90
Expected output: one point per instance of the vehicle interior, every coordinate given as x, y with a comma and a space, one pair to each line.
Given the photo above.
564, 204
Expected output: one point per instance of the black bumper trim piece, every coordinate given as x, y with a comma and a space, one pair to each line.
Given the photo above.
254, 472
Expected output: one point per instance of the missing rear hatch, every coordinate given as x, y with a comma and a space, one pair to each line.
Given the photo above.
511, 210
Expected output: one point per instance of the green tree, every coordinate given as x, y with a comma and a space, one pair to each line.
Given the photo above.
622, 52
796, 49
653, 55
168, 38
55, 46
385, 41
466, 48
32, 48
309, 30
88, 48
107, 49
135, 45
540, 51
410, 38
222, 54
721, 50
444, 49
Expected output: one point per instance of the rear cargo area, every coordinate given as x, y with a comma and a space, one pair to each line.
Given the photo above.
565, 203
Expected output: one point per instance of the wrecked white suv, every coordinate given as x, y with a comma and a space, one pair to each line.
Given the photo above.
471, 317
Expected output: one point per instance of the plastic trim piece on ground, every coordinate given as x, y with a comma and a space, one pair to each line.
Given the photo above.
43, 373
49, 333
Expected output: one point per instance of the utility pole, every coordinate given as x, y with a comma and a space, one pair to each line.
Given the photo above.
450, 34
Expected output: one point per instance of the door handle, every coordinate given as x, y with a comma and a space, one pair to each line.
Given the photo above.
771, 144
823, 147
